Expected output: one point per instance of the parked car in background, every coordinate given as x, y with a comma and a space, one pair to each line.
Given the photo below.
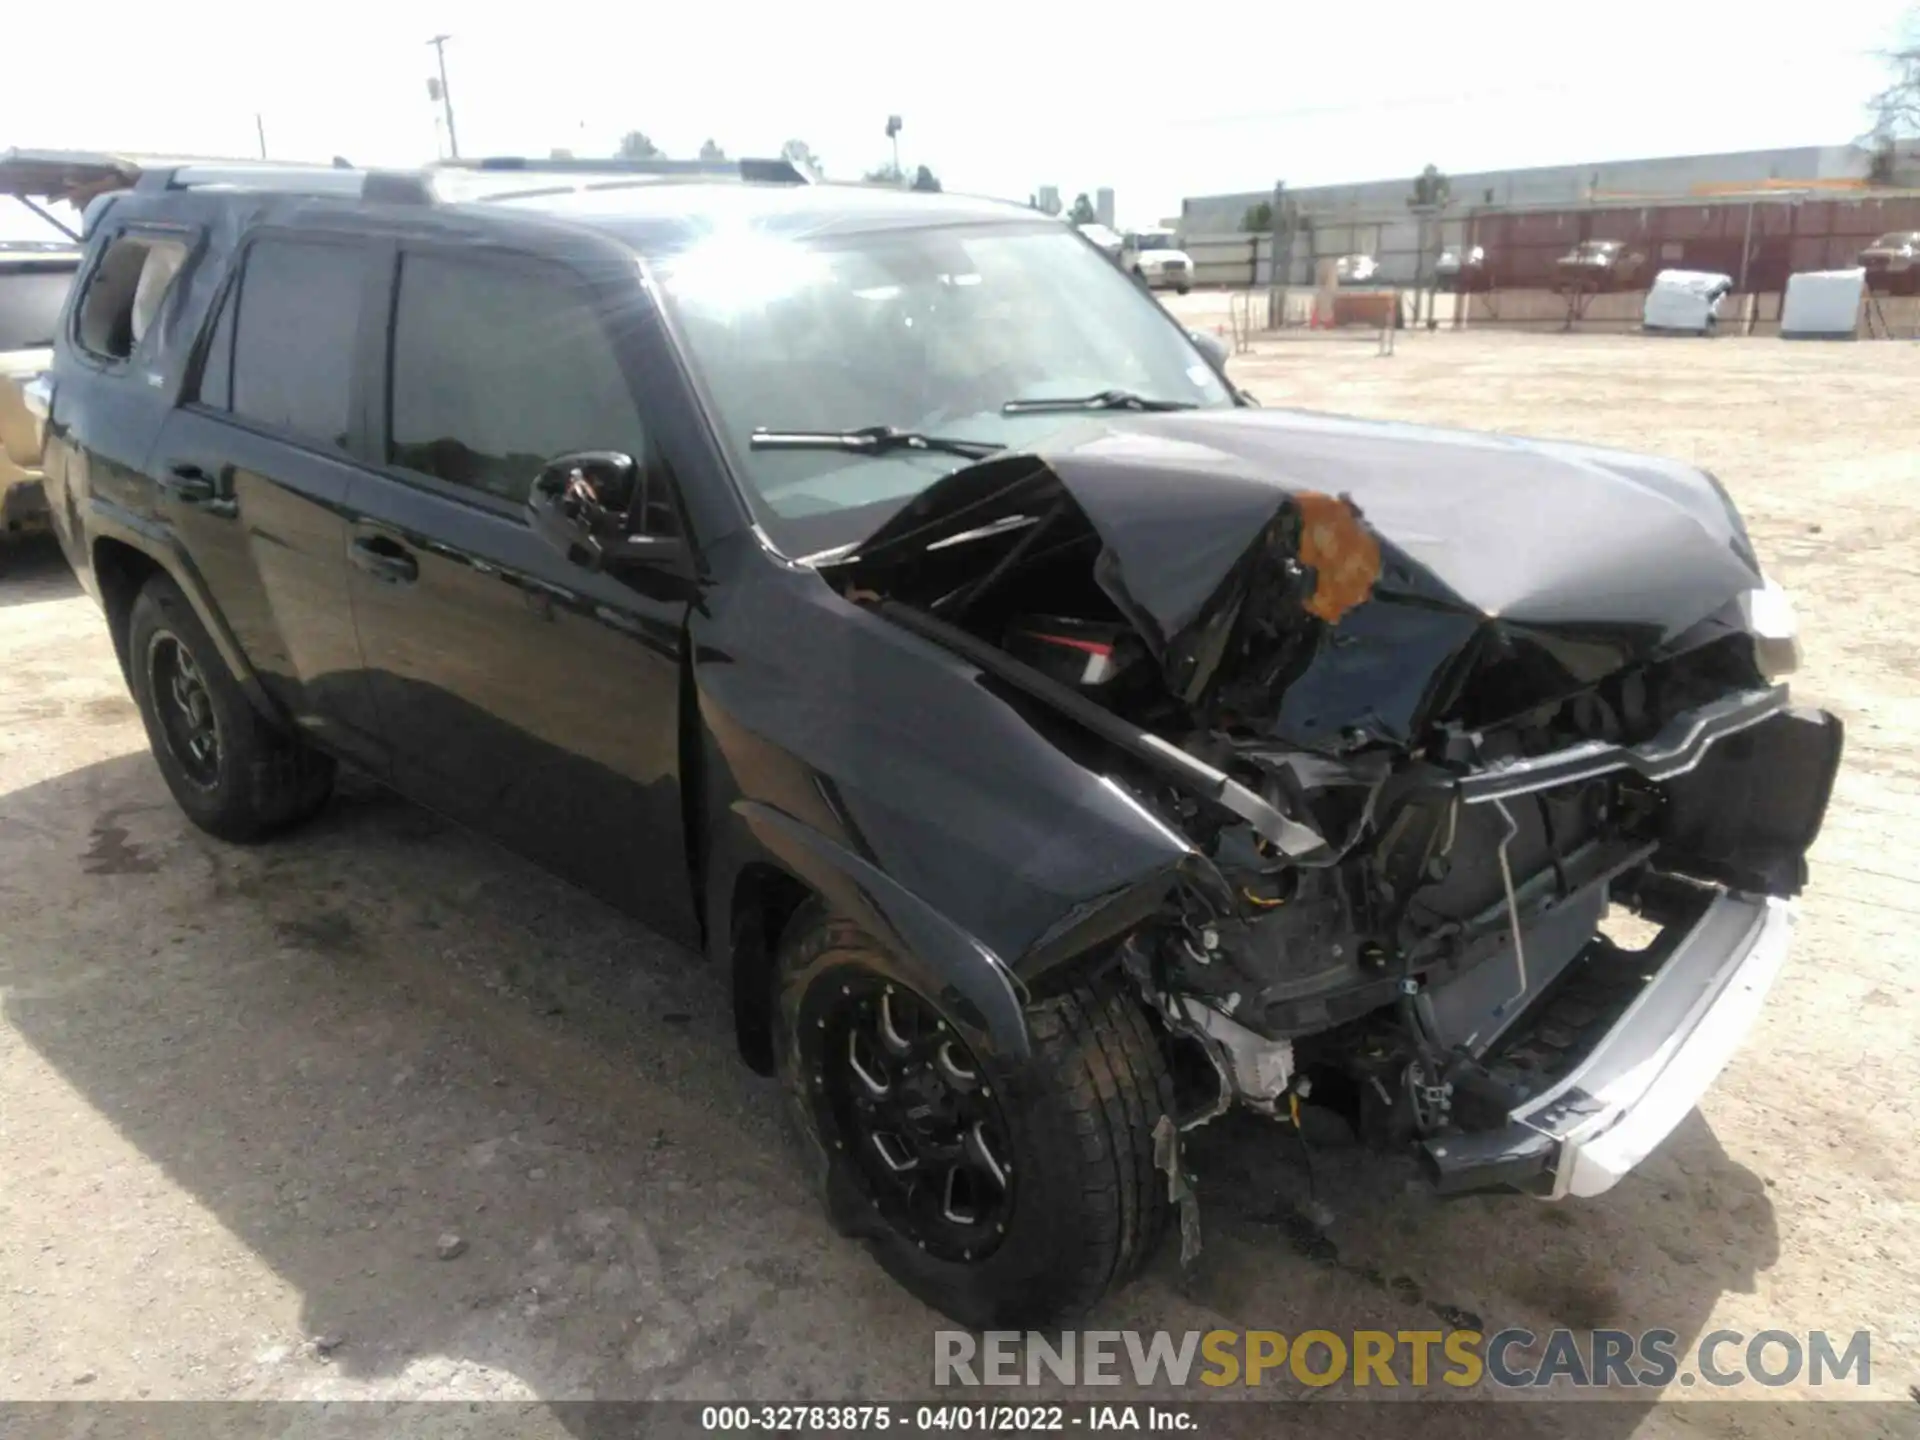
1462, 267
34, 281
1892, 263
1155, 257
1599, 265
1357, 270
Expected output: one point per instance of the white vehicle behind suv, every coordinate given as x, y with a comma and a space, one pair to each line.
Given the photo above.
1155, 256
34, 280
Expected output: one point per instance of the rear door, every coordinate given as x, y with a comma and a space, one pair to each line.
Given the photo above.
256, 465
519, 692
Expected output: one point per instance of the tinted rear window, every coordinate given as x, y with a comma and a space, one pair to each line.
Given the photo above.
294, 343
30, 301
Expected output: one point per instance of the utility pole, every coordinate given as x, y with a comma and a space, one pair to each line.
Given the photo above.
439, 43
894, 126
260, 128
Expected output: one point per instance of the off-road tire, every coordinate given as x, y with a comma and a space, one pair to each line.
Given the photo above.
1090, 1208
265, 780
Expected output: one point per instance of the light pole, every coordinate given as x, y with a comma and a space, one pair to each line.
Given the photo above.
894, 126
445, 96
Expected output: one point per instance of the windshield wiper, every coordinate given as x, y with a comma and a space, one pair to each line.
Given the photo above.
1099, 400
872, 440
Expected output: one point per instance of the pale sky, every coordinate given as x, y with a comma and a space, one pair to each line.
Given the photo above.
998, 97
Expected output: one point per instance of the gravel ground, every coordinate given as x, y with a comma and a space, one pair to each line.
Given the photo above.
251, 1098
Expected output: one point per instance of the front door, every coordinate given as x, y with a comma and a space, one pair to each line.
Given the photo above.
519, 692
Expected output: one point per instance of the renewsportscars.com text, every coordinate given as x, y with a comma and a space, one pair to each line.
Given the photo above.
1461, 1359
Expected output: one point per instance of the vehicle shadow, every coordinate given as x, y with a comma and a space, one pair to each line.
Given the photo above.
33, 570
382, 1032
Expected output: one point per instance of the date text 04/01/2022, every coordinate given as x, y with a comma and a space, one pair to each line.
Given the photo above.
965, 1419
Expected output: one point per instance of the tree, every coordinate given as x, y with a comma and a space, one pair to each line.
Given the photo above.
1259, 218
1882, 160
634, 145
1082, 212
801, 154
925, 179
711, 151
1431, 190
1896, 109
887, 174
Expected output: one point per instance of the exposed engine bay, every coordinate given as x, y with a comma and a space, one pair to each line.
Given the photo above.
1418, 757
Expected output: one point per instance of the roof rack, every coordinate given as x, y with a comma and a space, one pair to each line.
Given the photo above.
782, 170
79, 177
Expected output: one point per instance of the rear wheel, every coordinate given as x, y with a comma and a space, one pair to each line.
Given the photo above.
1003, 1194
235, 775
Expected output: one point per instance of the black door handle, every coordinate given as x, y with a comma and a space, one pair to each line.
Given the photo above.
190, 485
385, 559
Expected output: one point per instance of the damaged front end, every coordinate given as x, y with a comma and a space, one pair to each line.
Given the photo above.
1489, 804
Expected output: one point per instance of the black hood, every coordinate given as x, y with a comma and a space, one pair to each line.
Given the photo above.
1549, 563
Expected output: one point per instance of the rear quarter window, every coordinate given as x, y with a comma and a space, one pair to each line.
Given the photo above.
125, 292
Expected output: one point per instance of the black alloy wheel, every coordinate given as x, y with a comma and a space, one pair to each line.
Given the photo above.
236, 772
1005, 1190
902, 1094
184, 708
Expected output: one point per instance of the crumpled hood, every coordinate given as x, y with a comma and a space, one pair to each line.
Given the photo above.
1562, 562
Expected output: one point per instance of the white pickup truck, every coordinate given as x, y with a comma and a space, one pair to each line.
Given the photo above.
1155, 257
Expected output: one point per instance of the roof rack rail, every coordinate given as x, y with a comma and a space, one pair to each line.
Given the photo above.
291, 178
80, 176
781, 170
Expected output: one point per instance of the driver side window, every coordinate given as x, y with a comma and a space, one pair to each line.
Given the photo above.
497, 369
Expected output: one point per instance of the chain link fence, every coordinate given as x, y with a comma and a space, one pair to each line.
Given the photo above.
1757, 240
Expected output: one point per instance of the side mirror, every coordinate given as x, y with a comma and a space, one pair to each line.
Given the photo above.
1212, 346
582, 504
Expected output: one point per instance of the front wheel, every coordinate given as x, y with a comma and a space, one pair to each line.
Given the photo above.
1003, 1194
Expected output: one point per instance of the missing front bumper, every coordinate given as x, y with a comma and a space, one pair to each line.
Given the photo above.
1635, 1085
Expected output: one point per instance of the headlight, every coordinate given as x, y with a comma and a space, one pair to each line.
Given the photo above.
1768, 612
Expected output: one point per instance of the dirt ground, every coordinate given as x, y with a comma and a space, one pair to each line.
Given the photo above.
245, 1092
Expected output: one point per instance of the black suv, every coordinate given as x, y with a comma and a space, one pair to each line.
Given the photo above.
881, 593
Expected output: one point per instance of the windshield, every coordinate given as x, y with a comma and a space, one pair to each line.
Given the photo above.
1156, 240
929, 329
1898, 240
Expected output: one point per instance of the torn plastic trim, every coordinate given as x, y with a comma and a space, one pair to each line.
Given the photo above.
1678, 748
1256, 1070
1298, 842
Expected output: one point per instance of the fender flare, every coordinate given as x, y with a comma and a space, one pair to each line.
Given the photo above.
109, 521
925, 949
